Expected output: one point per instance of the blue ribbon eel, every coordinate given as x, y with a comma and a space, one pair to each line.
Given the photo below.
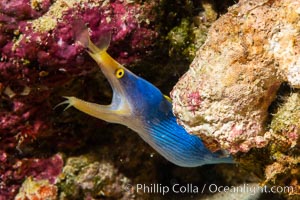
142, 107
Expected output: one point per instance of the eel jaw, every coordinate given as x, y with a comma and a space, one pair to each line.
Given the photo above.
120, 107
113, 113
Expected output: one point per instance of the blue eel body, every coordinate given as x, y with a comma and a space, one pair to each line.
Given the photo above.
159, 128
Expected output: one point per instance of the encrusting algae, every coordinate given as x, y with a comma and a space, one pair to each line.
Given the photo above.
234, 96
249, 53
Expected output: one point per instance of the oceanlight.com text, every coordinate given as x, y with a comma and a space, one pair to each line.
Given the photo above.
190, 188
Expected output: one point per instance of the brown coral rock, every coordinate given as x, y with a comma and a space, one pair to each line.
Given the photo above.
225, 95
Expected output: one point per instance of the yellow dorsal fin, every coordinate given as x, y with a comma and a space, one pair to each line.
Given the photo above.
168, 98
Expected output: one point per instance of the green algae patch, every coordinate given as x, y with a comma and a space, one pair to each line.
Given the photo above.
84, 177
288, 116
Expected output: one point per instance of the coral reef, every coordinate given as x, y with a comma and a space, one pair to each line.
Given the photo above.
39, 63
285, 146
187, 37
37, 190
82, 178
240, 93
38, 56
14, 171
278, 163
225, 95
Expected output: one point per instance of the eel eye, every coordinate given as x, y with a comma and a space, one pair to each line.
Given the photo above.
120, 73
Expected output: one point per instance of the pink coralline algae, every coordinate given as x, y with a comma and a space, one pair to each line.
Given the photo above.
42, 169
38, 55
250, 51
